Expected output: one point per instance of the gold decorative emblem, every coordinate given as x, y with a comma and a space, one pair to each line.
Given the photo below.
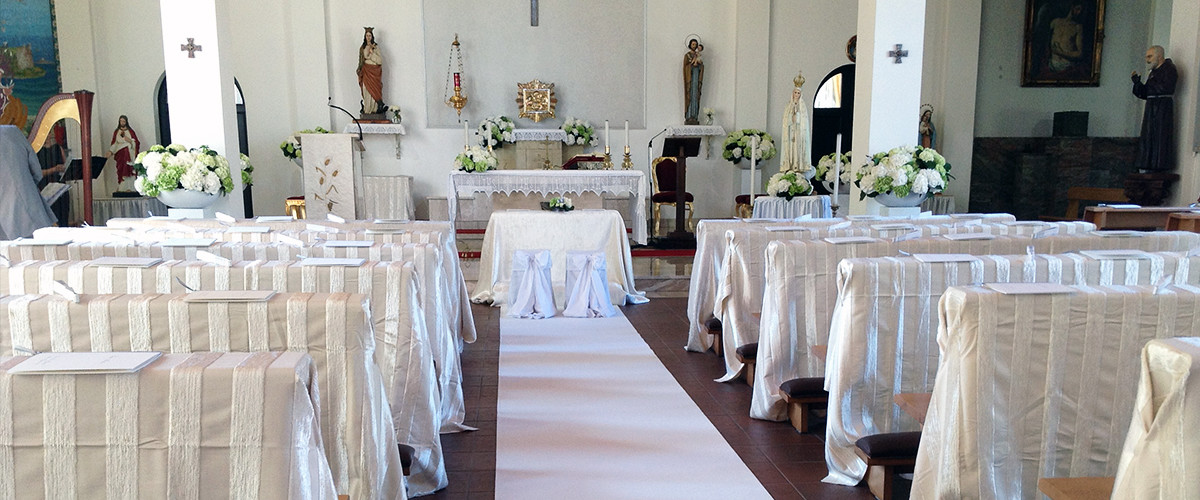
536, 100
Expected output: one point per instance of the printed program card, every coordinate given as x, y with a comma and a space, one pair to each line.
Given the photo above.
933, 258
126, 261
327, 261
1115, 254
65, 363
774, 229
893, 227
249, 229
229, 296
40, 242
843, 240
1118, 234
969, 236
275, 218
348, 243
390, 221
1029, 288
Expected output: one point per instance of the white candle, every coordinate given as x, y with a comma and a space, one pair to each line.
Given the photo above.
466, 141
753, 166
606, 135
626, 135
837, 167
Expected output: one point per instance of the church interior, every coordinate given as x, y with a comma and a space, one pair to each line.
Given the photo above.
606, 249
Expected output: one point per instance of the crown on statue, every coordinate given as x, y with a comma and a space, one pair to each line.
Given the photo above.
926, 107
799, 80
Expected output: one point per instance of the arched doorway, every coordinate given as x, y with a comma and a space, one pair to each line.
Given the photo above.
833, 112
164, 130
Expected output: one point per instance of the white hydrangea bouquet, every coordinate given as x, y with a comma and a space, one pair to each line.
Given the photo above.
475, 159
496, 131
903, 171
291, 145
560, 204
824, 168
247, 171
788, 184
579, 132
738, 145
177, 167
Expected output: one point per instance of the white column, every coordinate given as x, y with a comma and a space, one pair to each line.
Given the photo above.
1184, 50
201, 90
887, 96
752, 64
949, 83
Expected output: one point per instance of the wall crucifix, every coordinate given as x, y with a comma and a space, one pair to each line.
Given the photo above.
191, 48
898, 53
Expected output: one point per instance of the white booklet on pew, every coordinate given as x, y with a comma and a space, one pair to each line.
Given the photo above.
229, 296
390, 221
188, 242
249, 229
775, 229
1118, 234
274, 218
100, 363
125, 261
1115, 254
1029, 288
969, 236
944, 257
326, 261
893, 227
842, 240
385, 230
37, 242
348, 243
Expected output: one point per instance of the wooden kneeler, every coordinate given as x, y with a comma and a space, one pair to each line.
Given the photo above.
746, 355
887, 455
802, 395
714, 329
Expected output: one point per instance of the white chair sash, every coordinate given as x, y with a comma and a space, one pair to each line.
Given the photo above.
532, 288
587, 286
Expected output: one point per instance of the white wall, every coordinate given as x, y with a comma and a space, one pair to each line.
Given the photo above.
1005, 109
948, 83
1183, 49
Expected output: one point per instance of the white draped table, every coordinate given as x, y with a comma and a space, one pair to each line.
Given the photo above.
632, 182
776, 207
104, 209
388, 197
147, 435
560, 232
883, 335
1032, 386
938, 204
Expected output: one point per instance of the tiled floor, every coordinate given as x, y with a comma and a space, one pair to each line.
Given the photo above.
789, 464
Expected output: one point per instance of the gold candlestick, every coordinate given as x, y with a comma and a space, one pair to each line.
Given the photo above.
607, 163
628, 163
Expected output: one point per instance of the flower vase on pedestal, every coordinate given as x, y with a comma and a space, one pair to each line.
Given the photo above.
891, 200
183, 198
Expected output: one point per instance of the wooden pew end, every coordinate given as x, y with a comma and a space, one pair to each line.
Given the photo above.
803, 395
887, 455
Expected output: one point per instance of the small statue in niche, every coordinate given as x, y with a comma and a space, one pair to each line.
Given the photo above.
693, 81
123, 149
927, 134
370, 75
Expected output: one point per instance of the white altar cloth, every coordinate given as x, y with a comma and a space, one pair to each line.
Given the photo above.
144, 435
405, 354
883, 336
104, 209
545, 182
1033, 386
775, 207
388, 197
334, 329
1160, 454
590, 230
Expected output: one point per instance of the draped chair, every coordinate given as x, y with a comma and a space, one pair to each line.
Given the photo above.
663, 169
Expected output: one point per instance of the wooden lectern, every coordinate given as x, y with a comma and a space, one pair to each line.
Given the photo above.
681, 148
332, 175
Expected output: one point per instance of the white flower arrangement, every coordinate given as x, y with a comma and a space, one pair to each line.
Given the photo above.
247, 171
824, 167
708, 115
167, 168
475, 159
579, 132
393, 114
496, 131
291, 145
560, 204
788, 184
738, 145
902, 171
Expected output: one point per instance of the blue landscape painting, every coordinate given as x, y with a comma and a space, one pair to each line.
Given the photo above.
29, 68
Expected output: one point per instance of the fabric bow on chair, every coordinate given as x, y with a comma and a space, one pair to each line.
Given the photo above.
531, 290
587, 286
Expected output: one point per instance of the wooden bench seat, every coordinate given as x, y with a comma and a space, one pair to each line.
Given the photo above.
803, 395
886, 456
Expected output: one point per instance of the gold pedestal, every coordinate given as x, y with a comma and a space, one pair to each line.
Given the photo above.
294, 207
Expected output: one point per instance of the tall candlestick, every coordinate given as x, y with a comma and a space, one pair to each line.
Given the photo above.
626, 135
837, 167
753, 166
605, 136
466, 141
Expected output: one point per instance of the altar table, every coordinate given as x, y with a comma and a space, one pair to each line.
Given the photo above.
545, 182
1033, 386
775, 207
387, 197
104, 209
147, 435
559, 232
883, 334
335, 329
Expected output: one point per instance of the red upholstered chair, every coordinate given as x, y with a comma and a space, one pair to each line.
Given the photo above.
664, 190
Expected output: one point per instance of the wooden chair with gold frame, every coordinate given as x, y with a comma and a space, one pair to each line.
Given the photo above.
663, 177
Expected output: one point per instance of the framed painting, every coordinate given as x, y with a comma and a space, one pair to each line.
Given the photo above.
1062, 43
29, 64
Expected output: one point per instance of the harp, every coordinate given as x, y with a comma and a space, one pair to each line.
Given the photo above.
76, 106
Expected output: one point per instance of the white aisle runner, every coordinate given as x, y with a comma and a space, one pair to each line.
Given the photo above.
586, 410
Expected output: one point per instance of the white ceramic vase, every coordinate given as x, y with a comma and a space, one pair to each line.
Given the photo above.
183, 198
891, 200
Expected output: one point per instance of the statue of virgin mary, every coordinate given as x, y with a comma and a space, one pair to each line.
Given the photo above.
797, 134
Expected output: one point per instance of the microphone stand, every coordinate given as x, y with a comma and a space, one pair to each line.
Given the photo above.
650, 151
351, 115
